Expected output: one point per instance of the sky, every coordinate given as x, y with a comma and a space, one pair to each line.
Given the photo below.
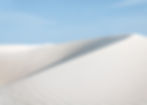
56, 21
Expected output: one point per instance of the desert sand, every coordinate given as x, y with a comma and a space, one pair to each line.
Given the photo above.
102, 71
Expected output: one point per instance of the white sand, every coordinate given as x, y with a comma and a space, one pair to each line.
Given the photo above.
84, 73
18, 61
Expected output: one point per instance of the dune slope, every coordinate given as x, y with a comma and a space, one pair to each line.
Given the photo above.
113, 75
20, 61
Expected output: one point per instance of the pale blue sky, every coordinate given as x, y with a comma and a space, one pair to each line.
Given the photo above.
42, 21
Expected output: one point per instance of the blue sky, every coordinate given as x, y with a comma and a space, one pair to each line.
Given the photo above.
43, 21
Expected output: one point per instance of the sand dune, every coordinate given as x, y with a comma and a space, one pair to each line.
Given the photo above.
95, 72
21, 61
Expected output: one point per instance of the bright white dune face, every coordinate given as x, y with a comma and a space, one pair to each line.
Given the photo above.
9, 49
20, 61
112, 75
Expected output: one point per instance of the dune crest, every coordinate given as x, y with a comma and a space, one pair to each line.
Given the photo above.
21, 61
